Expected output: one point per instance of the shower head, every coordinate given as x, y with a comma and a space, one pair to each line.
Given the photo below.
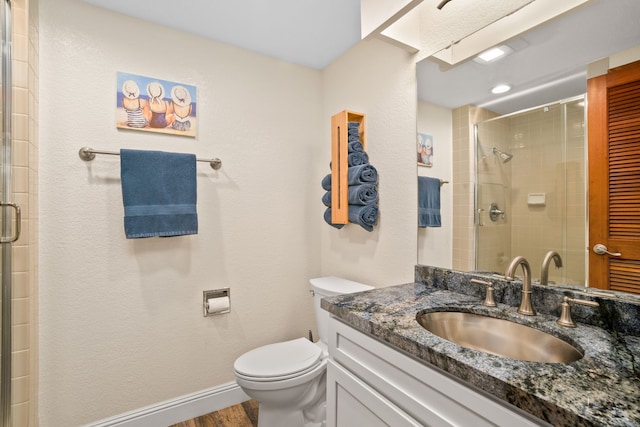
505, 157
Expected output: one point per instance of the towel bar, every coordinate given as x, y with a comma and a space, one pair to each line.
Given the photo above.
87, 154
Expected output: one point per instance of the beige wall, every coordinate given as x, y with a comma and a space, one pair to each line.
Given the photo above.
434, 244
32, 10
121, 320
379, 80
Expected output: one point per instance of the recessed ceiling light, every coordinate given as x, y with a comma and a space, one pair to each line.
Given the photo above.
501, 89
493, 54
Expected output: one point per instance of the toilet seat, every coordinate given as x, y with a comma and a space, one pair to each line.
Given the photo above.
279, 361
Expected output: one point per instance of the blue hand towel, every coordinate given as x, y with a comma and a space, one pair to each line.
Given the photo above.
159, 193
366, 216
428, 202
362, 174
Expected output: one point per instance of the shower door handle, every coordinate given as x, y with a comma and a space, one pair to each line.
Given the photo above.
18, 222
480, 210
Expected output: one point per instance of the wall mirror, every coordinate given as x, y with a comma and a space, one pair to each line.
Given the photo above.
517, 180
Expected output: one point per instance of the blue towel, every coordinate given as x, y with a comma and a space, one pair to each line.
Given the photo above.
363, 194
355, 146
428, 202
326, 182
357, 158
366, 216
363, 174
327, 218
159, 193
326, 199
352, 125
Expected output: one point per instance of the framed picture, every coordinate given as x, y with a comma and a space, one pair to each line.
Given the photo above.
155, 105
425, 150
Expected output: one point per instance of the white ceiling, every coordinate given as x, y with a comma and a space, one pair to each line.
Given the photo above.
549, 63
312, 33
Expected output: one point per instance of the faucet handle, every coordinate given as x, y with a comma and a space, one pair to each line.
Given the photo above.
488, 300
565, 316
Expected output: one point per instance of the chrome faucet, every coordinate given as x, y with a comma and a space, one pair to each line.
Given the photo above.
526, 307
544, 273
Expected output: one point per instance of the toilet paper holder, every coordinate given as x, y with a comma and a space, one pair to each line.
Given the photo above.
223, 307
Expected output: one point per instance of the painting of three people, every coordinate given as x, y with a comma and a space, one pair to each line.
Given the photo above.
155, 105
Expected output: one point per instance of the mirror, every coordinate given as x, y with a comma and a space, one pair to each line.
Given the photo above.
546, 65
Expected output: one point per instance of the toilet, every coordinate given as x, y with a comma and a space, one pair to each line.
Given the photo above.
288, 379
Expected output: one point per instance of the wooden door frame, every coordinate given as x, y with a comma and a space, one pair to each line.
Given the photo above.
597, 150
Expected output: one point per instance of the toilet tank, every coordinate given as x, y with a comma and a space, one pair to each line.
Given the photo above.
326, 287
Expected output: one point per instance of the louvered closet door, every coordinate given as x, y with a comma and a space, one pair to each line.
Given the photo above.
614, 178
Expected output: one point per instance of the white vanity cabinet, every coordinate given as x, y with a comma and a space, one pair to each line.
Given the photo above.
371, 384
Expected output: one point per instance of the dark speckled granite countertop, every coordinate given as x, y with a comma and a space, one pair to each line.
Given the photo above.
601, 389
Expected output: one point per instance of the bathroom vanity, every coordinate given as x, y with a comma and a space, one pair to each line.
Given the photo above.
369, 383
386, 369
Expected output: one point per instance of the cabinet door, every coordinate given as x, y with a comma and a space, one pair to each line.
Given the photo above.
353, 403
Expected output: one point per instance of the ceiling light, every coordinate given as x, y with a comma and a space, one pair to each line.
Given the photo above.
501, 89
493, 54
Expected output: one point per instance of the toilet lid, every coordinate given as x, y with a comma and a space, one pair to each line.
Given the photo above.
279, 360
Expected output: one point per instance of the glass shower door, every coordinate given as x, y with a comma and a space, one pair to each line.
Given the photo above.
530, 189
8, 209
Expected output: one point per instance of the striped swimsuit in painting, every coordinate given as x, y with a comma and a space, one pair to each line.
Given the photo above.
135, 118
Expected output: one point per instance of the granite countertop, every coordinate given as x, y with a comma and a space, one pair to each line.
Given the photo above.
601, 389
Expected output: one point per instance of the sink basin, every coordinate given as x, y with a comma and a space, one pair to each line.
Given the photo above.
498, 336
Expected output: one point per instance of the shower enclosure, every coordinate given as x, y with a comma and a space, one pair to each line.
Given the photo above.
9, 233
531, 189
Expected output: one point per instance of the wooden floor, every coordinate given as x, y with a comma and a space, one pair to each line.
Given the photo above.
244, 414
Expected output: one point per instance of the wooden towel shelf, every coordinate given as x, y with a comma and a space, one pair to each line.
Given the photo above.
339, 162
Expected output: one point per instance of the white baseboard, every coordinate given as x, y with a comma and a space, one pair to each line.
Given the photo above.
179, 409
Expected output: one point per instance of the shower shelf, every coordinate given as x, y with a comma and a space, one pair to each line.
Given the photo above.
536, 199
